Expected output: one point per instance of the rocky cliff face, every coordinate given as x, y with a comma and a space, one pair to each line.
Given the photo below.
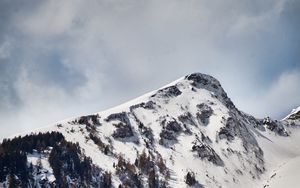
188, 133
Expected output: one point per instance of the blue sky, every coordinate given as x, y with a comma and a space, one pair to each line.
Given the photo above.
66, 58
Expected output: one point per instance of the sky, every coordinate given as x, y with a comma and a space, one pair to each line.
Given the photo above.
60, 59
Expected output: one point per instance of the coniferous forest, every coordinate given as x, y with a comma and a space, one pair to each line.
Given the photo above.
69, 166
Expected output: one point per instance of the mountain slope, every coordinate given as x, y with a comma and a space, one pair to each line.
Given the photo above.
186, 133
283, 154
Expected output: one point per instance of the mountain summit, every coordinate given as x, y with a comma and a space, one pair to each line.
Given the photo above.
186, 134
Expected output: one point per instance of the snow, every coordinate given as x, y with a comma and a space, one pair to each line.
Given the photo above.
294, 111
283, 160
281, 154
287, 174
46, 170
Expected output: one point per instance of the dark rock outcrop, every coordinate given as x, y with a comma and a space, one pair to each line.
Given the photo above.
168, 135
204, 151
173, 126
295, 116
187, 118
171, 91
122, 131
204, 81
122, 116
170, 131
275, 126
148, 105
204, 114
205, 139
89, 120
228, 132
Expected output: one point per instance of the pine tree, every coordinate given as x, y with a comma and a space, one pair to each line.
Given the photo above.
152, 180
12, 183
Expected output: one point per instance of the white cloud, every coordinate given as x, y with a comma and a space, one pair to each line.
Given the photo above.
5, 49
50, 18
126, 48
259, 22
276, 100
284, 93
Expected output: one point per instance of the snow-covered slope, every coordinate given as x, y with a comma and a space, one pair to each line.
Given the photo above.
294, 115
283, 154
186, 133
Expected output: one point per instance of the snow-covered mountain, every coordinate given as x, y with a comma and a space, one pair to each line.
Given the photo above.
188, 133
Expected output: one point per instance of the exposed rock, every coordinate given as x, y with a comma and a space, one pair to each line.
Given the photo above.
190, 179
199, 78
122, 116
169, 132
205, 139
204, 114
295, 115
237, 126
173, 126
105, 148
166, 134
171, 91
204, 151
89, 120
204, 81
148, 105
275, 126
145, 131
258, 124
187, 118
226, 150
228, 132
122, 131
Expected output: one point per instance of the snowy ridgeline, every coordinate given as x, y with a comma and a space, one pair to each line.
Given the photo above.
188, 133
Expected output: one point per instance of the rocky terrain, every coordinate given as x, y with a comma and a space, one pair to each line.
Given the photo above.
186, 134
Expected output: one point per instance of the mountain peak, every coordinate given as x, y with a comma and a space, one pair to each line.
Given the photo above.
187, 132
202, 78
